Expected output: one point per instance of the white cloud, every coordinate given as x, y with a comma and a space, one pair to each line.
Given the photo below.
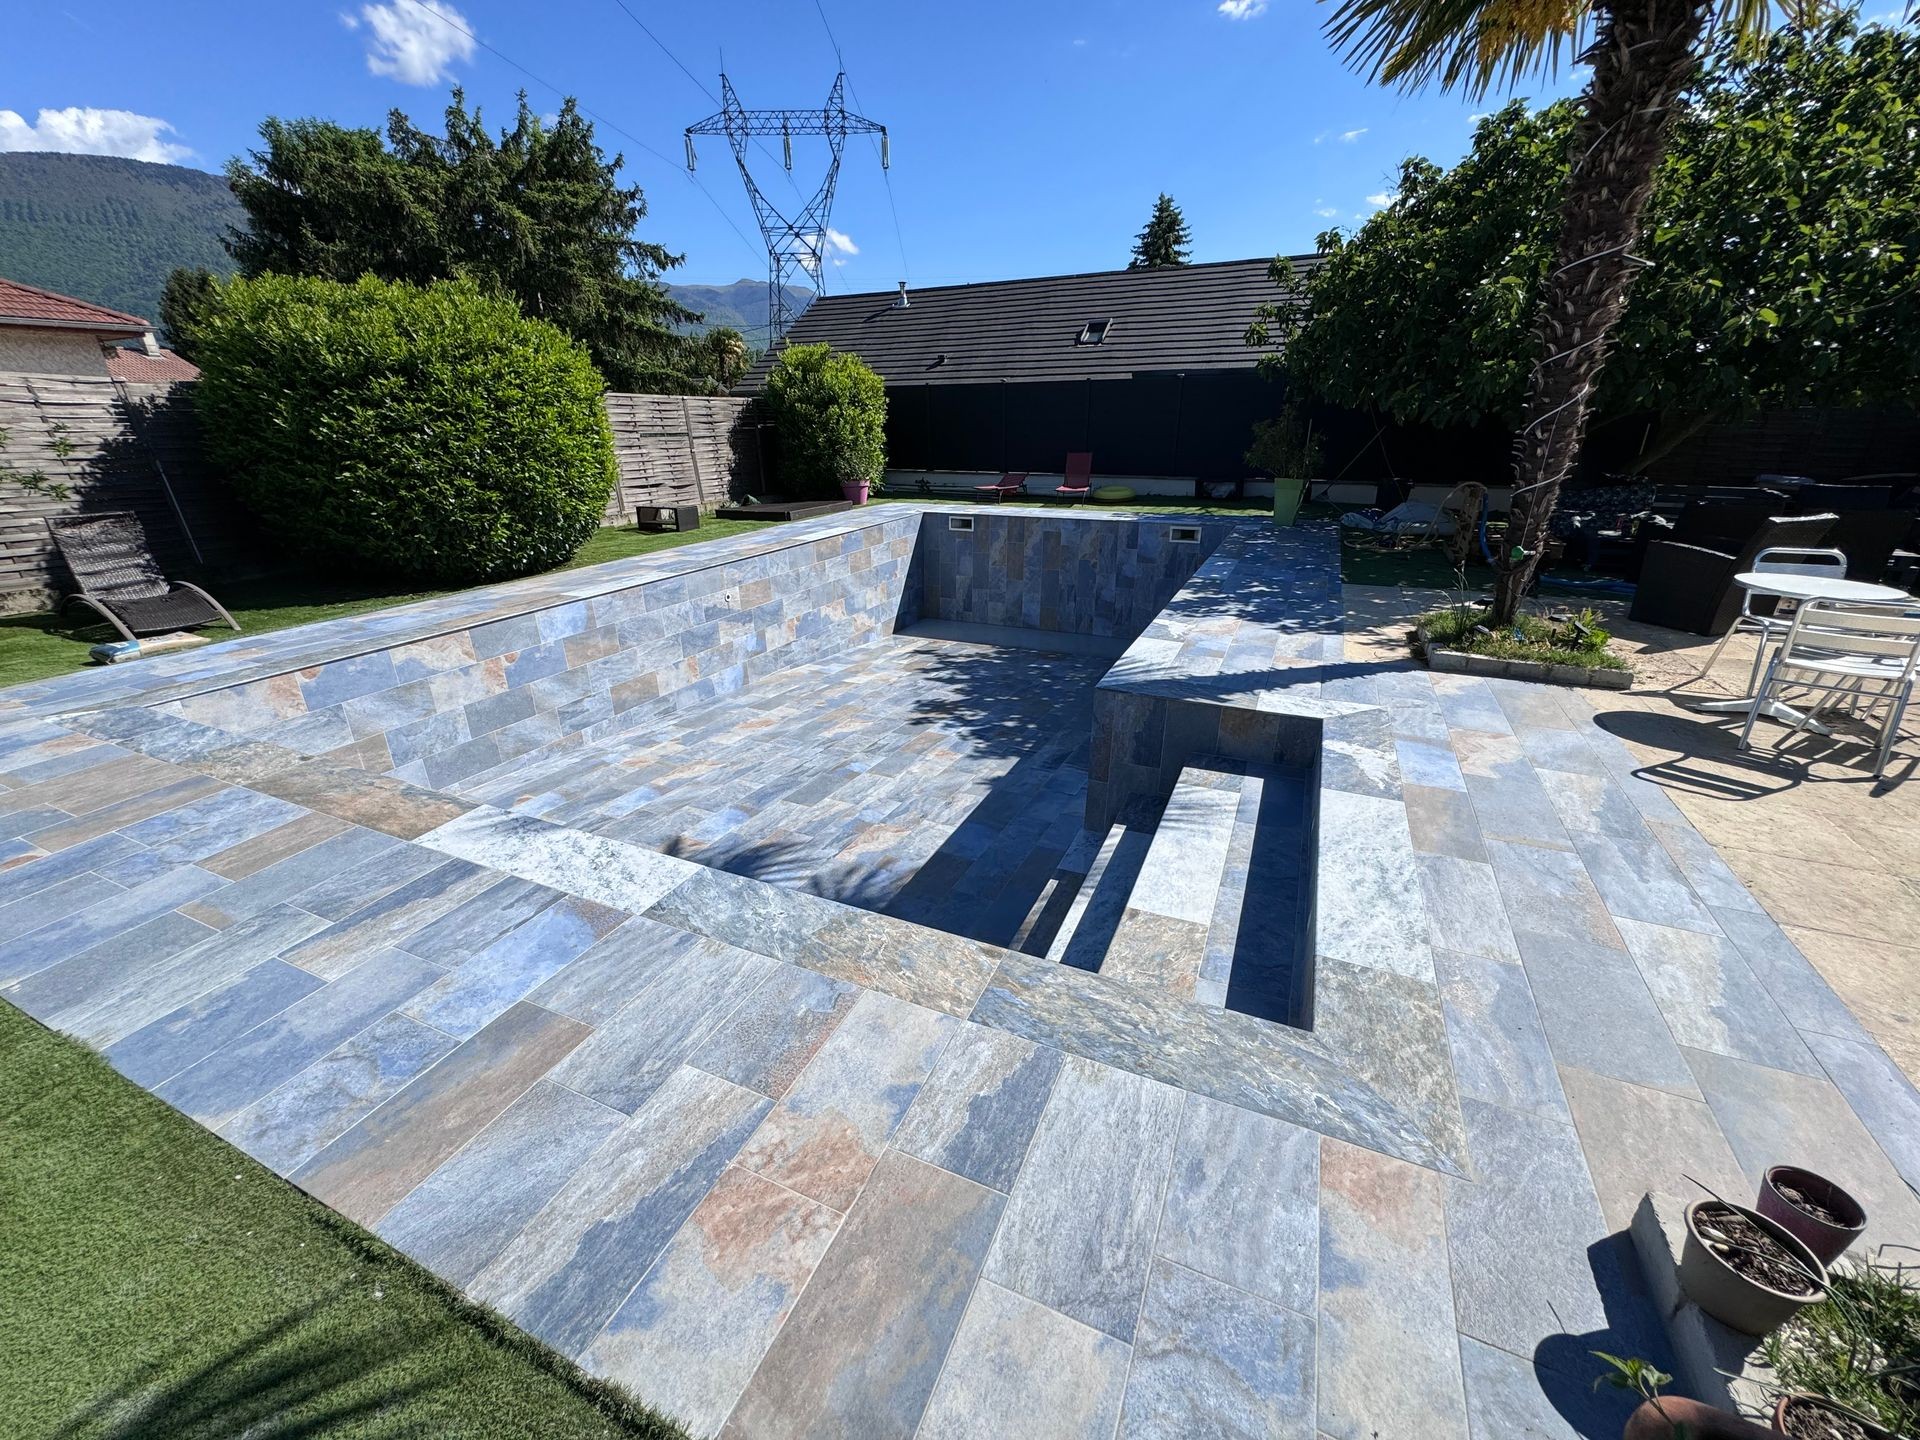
1243, 9
412, 44
1325, 211
1383, 199
841, 241
1347, 137
85, 130
1478, 116
1080, 40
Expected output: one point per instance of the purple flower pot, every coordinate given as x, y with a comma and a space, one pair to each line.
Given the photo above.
1825, 1240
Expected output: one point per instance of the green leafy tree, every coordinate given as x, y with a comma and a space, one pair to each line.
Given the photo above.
185, 302
1164, 241
428, 432
1642, 58
829, 409
535, 213
1778, 254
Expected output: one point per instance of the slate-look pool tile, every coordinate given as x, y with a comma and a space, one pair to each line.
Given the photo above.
56, 902
1791, 979
861, 1351
1591, 802
1500, 1050
229, 1080
387, 921
468, 997
1549, 894
1368, 876
690, 1335
91, 855
1598, 1013
566, 1273
1212, 1360
322, 879
63, 996
1385, 1289
1637, 1139
1519, 1232
1639, 881
1464, 907
103, 921
470, 928
1711, 998
631, 1054
187, 1035
460, 1217
1511, 1398
976, 1114
825, 1136
772, 1035
1424, 762
284, 1129
1016, 1367
1880, 1094
1078, 1234
1243, 1202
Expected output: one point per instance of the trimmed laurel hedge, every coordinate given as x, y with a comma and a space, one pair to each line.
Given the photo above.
829, 409
434, 434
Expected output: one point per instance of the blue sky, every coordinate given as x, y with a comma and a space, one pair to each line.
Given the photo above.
1028, 138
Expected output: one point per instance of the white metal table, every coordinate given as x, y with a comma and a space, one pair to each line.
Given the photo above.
1801, 588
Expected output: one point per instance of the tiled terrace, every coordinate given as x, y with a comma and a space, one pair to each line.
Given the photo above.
788, 1167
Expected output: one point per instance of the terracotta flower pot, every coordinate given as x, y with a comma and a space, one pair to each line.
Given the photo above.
1660, 1420
1786, 1402
1826, 1241
1730, 1297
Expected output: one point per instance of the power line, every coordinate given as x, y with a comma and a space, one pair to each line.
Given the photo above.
597, 118
886, 174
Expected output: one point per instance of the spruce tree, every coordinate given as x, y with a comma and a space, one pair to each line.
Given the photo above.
1165, 241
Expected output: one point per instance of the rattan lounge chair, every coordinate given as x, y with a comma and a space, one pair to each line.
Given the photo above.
119, 579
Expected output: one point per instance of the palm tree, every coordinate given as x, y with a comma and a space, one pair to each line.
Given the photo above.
1643, 54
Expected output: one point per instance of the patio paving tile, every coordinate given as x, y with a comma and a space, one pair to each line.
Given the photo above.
257, 852
825, 1136
1017, 1367
563, 1276
65, 992
62, 830
693, 1330
1599, 1015
1639, 881
1500, 1049
1771, 1117
56, 902
94, 855
457, 1220
1212, 1360
1591, 802
479, 989
388, 921
1385, 1289
286, 1128
977, 1111
233, 1077
771, 1036
1711, 998
1553, 895
190, 1033
102, 922
344, 875
1464, 907
1512, 805
1079, 1229
1791, 979
1880, 1094
1367, 851
1242, 1202
1511, 1398
1638, 1139
1868, 904
861, 1351
470, 927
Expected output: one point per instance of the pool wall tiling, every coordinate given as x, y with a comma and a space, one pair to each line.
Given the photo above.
440, 709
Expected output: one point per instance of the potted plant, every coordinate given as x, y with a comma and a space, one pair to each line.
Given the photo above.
1825, 1218
1288, 450
829, 410
1813, 1417
1671, 1417
1745, 1270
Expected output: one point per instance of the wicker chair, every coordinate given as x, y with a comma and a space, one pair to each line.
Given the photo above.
120, 581
1690, 587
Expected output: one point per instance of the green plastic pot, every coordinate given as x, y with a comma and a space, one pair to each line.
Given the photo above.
1287, 495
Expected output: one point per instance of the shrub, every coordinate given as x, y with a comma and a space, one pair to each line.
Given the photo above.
830, 411
432, 433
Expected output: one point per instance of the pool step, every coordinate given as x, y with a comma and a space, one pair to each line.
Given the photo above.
1220, 910
1073, 921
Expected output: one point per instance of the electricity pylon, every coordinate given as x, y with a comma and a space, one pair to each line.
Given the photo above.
795, 247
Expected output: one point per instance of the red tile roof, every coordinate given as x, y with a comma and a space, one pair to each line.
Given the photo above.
145, 369
24, 304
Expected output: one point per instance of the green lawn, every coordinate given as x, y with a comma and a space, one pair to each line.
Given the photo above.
154, 1282
34, 647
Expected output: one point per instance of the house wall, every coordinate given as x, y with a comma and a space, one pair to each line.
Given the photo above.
50, 352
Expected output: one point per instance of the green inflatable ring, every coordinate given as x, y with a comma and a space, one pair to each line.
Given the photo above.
1112, 492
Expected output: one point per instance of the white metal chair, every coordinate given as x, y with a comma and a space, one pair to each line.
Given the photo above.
1844, 653
1776, 560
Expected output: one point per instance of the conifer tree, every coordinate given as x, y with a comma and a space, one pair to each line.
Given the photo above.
1165, 241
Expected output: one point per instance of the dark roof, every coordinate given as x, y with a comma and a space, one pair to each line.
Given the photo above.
1180, 318
30, 305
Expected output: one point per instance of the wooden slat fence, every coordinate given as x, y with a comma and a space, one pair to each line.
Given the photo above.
681, 450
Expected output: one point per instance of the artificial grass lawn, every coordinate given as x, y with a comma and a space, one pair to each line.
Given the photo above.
155, 1282
34, 647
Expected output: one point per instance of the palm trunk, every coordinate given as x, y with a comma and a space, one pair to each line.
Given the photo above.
1643, 55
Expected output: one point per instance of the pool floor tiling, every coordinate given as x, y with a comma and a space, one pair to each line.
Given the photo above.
599, 1043
936, 781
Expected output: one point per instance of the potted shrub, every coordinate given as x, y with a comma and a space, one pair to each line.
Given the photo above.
1812, 1417
829, 410
1825, 1218
1671, 1417
1745, 1270
1286, 448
